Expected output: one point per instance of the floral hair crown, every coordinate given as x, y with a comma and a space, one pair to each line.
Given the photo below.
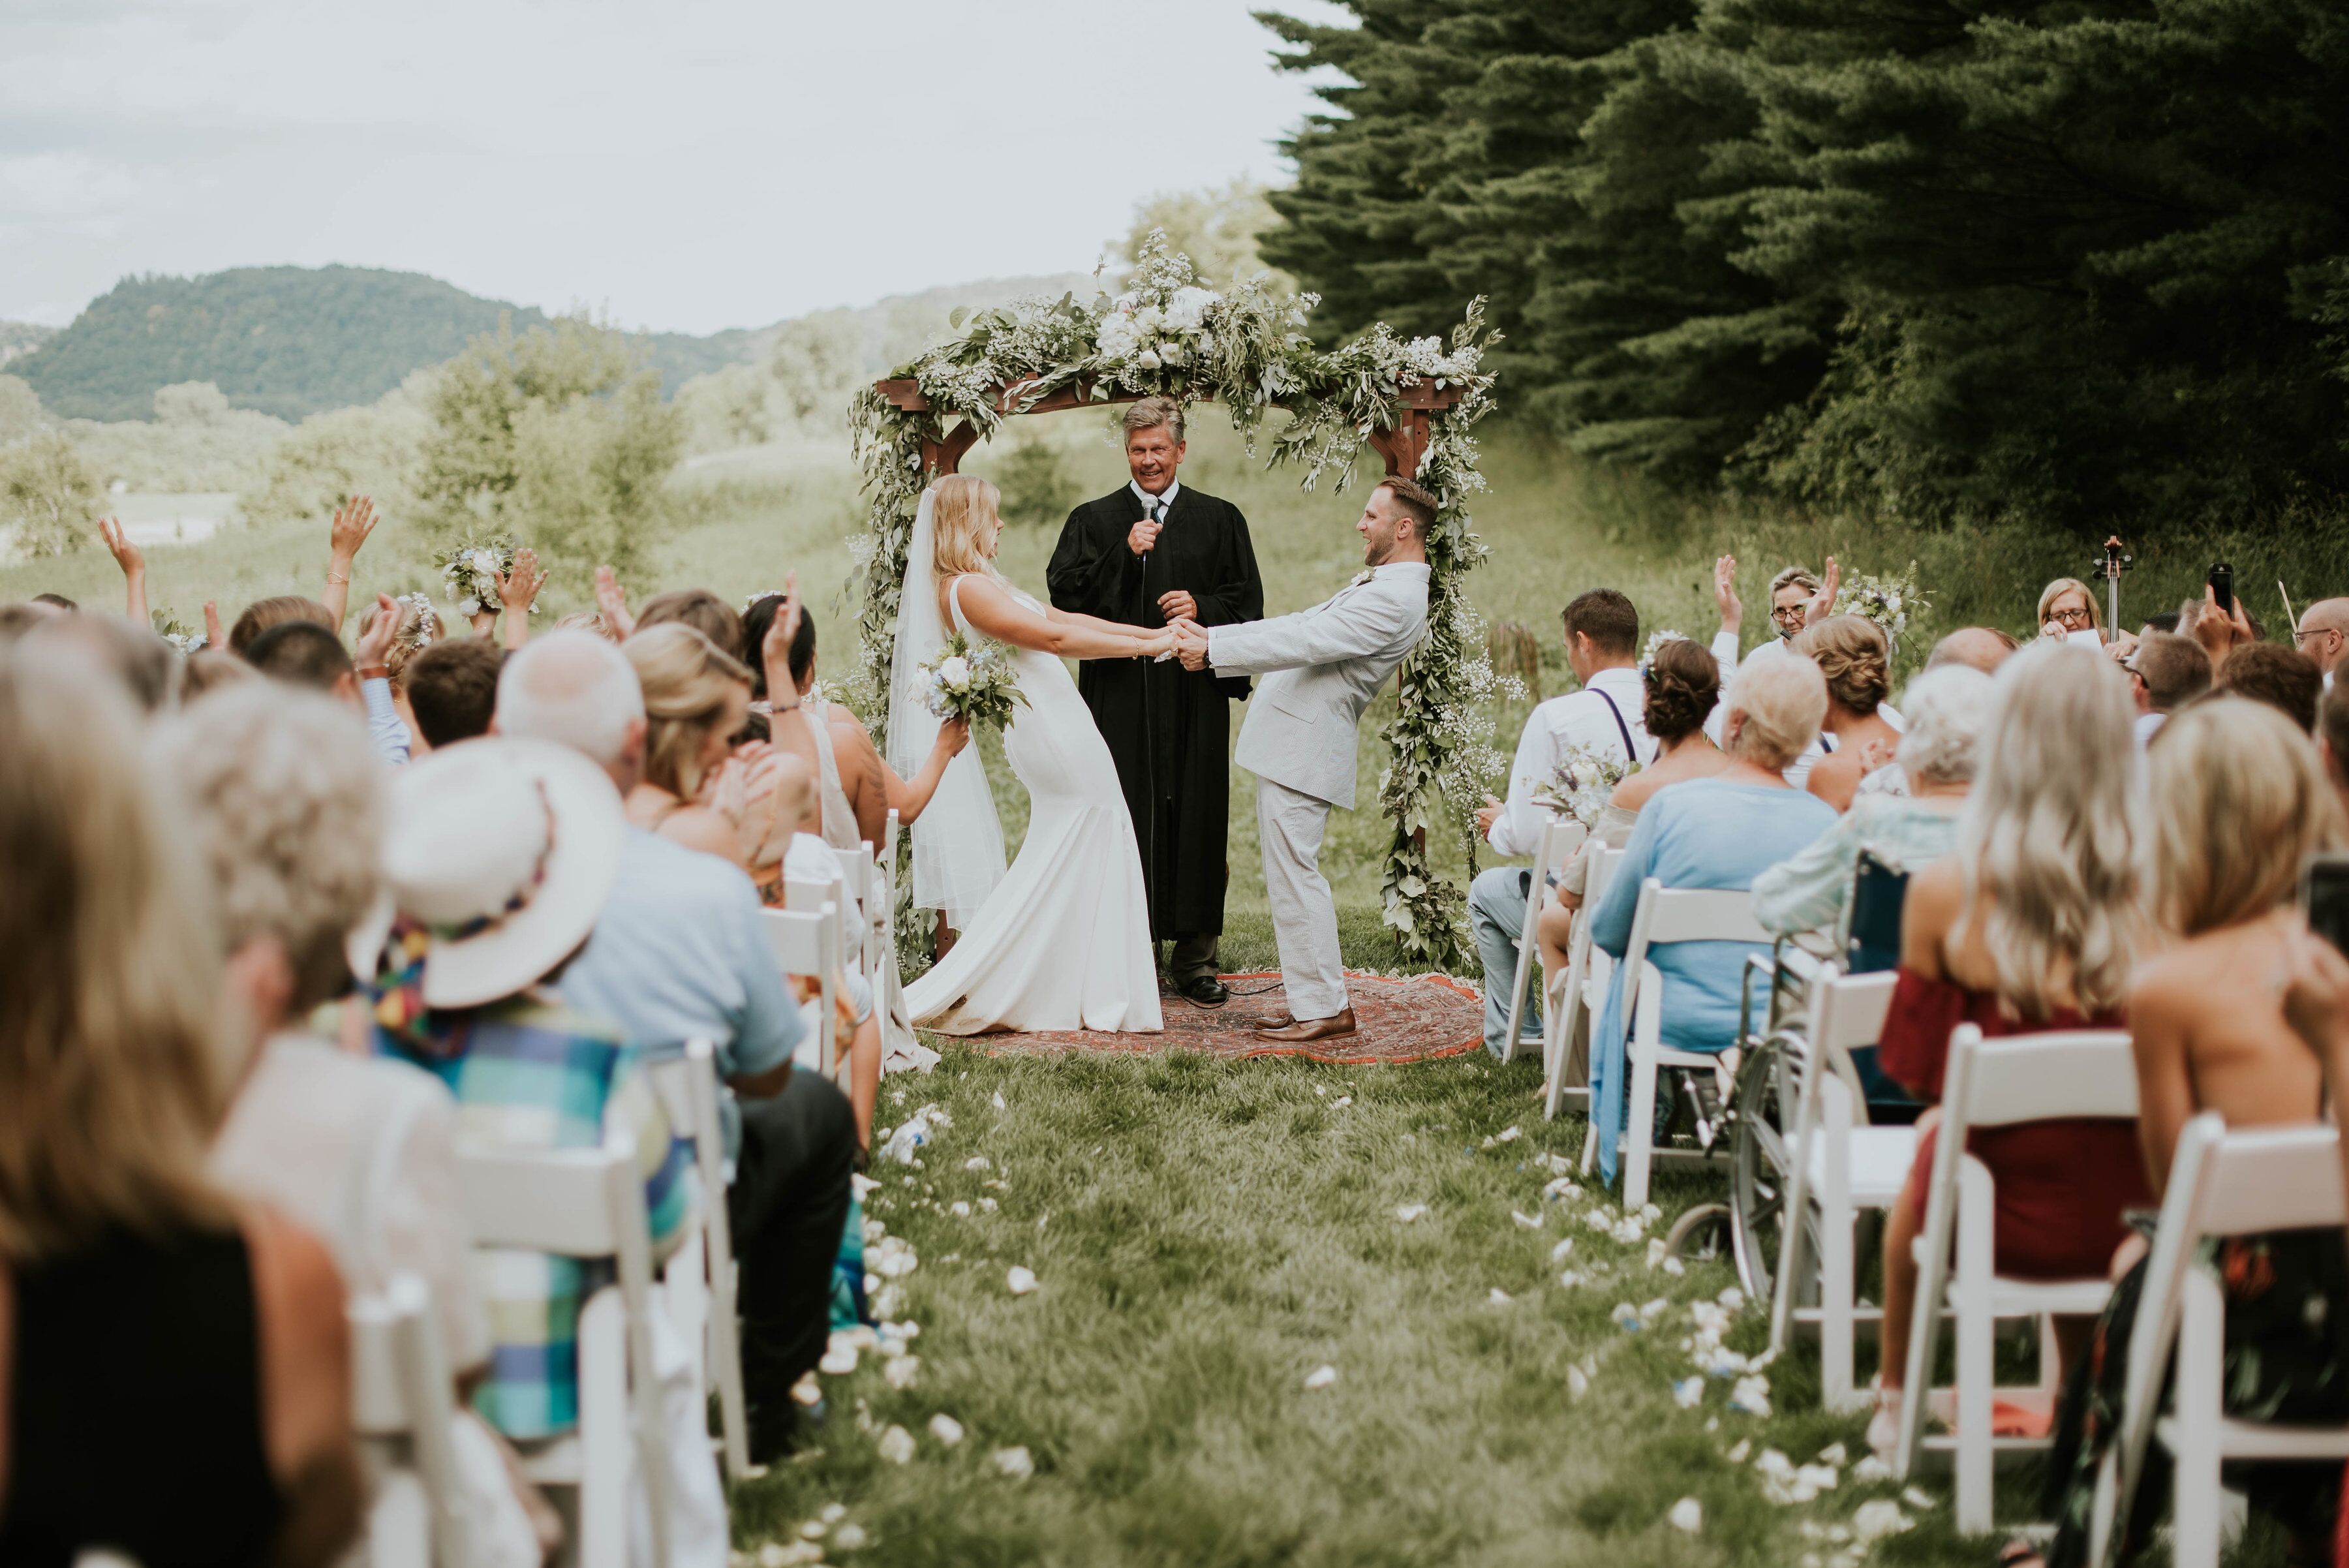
417, 620
762, 594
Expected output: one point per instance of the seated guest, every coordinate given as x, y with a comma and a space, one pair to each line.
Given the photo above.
131, 652
679, 954
2322, 635
2028, 925
1855, 657
694, 792
452, 690
1717, 831
262, 615
2166, 672
1810, 891
209, 669
2237, 803
1601, 720
304, 652
2272, 673
138, 1303
419, 629
2066, 606
498, 857
704, 611
1682, 687
810, 859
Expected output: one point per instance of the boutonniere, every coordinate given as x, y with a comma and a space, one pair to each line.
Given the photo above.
1365, 577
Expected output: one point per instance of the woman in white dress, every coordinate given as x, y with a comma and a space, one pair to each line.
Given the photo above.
1062, 940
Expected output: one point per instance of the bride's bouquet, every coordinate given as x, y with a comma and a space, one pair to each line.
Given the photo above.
1580, 785
973, 684
1887, 601
470, 571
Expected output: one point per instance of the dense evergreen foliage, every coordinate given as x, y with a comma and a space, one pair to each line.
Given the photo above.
288, 341
2083, 262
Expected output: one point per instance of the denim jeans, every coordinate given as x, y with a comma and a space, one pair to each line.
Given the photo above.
1496, 914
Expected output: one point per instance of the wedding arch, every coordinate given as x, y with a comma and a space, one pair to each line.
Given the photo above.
1410, 401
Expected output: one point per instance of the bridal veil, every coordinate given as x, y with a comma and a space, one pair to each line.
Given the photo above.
957, 841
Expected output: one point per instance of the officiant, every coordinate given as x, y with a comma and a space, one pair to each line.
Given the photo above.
1151, 552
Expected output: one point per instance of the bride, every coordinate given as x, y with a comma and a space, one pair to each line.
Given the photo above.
1062, 940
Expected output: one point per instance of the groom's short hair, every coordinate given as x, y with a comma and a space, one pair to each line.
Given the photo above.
1152, 412
1607, 618
1417, 502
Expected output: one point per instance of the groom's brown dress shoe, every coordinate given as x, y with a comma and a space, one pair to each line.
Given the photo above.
1296, 1031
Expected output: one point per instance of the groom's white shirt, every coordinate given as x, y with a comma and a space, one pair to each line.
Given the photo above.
1320, 667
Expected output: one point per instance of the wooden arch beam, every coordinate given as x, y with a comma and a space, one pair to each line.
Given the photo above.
1401, 447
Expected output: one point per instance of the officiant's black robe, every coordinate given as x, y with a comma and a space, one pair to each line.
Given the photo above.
1168, 728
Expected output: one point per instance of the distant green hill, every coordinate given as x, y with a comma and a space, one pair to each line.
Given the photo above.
286, 340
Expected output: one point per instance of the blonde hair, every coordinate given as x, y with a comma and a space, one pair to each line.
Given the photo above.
414, 618
1854, 656
1783, 697
2045, 843
2239, 800
112, 1074
686, 678
2057, 589
287, 806
963, 507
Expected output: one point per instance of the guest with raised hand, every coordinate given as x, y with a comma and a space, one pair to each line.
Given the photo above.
694, 791
1858, 734
1719, 832
679, 954
1793, 594
139, 1298
1811, 890
305, 653
1681, 690
2031, 923
517, 592
419, 629
2238, 802
216, 636
353, 521
2218, 632
133, 562
611, 604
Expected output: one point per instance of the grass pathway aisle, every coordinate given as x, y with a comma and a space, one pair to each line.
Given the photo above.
1208, 1234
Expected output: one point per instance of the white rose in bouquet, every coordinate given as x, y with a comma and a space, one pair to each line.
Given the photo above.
1117, 339
1148, 360
1187, 311
954, 673
1150, 318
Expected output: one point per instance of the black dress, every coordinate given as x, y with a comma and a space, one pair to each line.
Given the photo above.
134, 1408
1168, 728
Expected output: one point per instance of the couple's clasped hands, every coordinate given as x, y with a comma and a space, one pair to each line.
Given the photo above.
1190, 643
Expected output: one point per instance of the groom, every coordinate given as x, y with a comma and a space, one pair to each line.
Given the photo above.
1321, 667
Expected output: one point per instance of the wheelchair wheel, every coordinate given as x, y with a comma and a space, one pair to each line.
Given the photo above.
1760, 1113
1701, 1235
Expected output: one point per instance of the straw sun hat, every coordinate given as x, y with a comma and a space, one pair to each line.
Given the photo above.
498, 856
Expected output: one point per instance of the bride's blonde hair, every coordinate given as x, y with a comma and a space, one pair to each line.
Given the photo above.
963, 506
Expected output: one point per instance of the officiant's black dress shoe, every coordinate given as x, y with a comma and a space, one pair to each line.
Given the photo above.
1299, 1032
1204, 990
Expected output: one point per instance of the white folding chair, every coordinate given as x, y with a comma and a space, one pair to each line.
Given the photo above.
1665, 916
701, 1279
589, 1204
402, 1403
859, 874
1996, 1083
1569, 998
1840, 1163
808, 897
1560, 838
807, 943
2220, 1184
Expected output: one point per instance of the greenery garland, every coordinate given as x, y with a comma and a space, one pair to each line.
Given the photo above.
1247, 348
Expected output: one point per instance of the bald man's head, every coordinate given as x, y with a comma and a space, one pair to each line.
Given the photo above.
1979, 648
2323, 632
576, 690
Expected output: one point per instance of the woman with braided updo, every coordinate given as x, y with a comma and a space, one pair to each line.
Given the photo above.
1683, 684
1855, 657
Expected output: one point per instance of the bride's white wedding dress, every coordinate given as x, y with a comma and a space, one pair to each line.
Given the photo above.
1062, 941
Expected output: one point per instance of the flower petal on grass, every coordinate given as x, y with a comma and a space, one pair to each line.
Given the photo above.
1320, 1378
1688, 1514
1020, 1280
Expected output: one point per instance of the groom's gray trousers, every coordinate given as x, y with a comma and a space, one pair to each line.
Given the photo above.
1289, 827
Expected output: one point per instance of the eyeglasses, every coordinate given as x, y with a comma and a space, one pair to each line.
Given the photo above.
2077, 619
2299, 637
1788, 615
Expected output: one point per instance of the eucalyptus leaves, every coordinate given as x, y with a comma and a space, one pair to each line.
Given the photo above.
1243, 344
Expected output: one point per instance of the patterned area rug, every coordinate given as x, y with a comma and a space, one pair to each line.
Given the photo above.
1407, 1018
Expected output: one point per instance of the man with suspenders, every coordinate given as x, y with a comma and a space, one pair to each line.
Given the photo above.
1606, 717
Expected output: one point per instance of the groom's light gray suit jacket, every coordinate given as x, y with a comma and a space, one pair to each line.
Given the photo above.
1321, 667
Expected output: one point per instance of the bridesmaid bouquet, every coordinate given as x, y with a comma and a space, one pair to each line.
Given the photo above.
1887, 601
470, 571
184, 639
1578, 786
973, 684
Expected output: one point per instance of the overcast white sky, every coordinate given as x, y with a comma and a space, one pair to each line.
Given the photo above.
686, 164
